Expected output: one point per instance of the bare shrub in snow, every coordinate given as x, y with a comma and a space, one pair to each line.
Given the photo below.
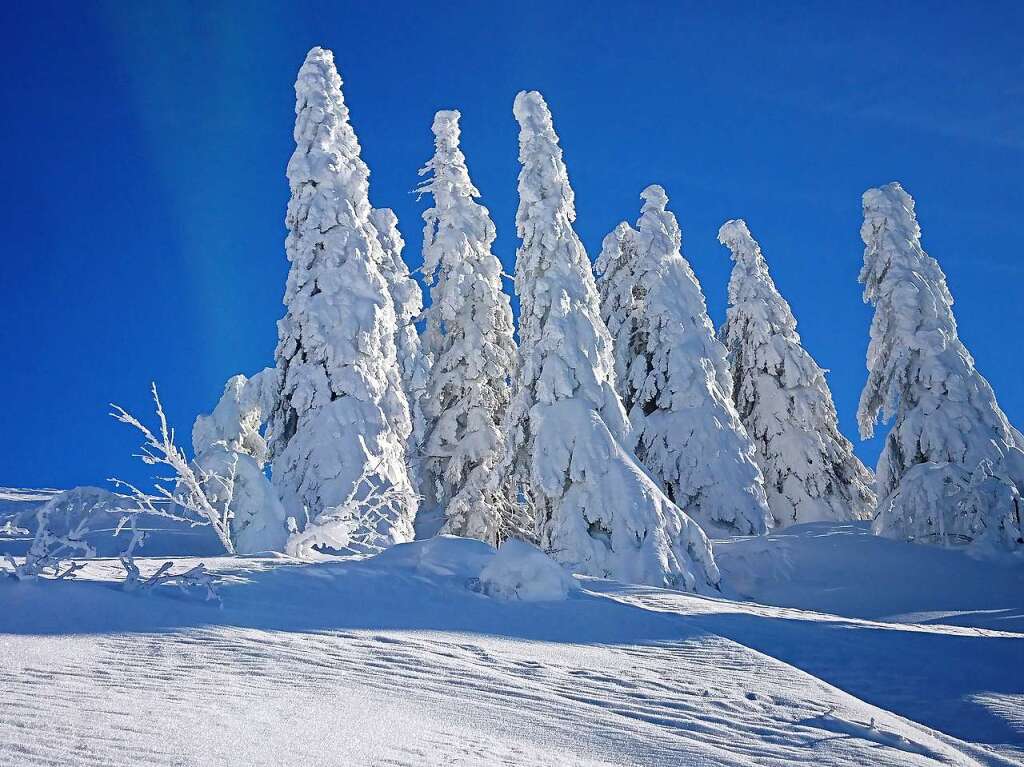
673, 377
567, 434
952, 469
336, 355
195, 577
810, 471
469, 337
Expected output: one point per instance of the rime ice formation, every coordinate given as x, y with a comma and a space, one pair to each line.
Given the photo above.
413, 363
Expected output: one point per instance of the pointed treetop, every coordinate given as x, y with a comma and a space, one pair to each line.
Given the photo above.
751, 284
735, 235
531, 110
446, 126
893, 203
658, 228
448, 165
326, 147
540, 179
654, 197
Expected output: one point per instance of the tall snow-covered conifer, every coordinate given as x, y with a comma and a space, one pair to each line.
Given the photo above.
470, 338
673, 377
341, 414
597, 511
413, 363
810, 471
952, 469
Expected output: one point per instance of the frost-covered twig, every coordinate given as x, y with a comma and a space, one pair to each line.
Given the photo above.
195, 490
197, 576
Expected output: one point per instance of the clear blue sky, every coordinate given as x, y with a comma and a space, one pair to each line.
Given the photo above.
144, 147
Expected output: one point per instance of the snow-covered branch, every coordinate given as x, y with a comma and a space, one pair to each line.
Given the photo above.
198, 496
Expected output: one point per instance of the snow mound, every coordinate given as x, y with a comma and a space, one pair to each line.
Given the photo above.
524, 572
445, 555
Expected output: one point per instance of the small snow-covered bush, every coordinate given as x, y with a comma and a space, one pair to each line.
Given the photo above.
228, 442
62, 524
522, 571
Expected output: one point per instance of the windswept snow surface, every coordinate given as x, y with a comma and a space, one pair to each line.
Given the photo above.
397, 660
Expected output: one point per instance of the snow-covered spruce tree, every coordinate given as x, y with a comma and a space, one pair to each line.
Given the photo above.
228, 443
810, 471
673, 377
341, 417
952, 469
567, 434
413, 363
469, 336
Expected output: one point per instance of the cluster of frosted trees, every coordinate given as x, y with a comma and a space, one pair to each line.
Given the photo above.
619, 430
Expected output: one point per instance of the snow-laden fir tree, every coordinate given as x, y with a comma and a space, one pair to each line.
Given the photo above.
810, 471
673, 377
469, 336
341, 418
568, 451
952, 469
229, 447
413, 363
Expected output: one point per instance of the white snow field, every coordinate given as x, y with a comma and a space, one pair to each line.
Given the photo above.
866, 651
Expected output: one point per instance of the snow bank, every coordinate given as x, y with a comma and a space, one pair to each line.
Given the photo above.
446, 555
524, 572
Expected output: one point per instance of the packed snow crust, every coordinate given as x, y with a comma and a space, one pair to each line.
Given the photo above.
403, 659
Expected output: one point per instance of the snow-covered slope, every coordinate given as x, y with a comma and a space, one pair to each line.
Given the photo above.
398, 660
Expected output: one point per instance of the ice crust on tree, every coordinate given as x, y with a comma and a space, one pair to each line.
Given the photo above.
597, 511
469, 336
228, 443
784, 401
952, 468
413, 363
673, 377
341, 413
